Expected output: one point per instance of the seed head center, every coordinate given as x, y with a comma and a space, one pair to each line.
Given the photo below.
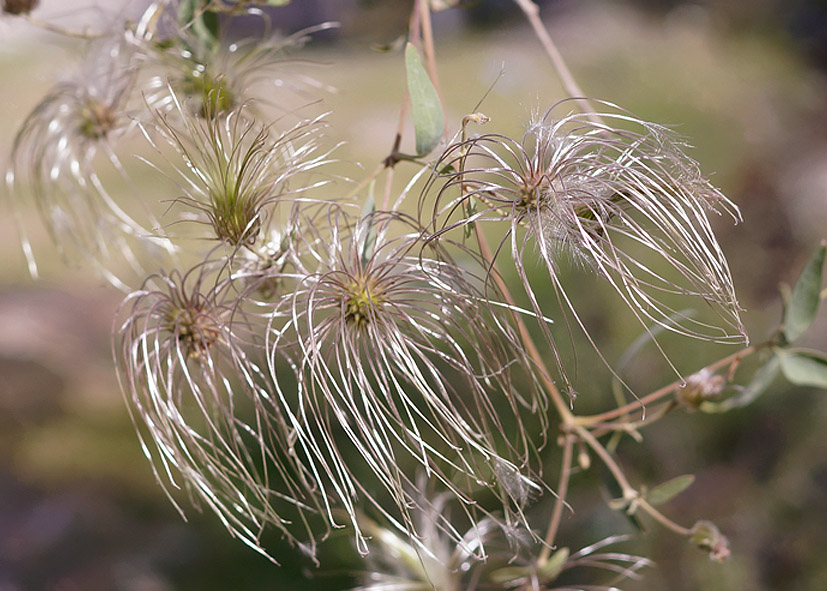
194, 330
362, 301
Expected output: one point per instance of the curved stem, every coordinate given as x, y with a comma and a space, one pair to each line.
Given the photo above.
629, 492
47, 26
532, 13
661, 518
641, 403
566, 416
631, 427
559, 503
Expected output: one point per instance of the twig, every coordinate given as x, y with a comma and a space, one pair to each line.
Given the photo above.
640, 404
532, 13
559, 503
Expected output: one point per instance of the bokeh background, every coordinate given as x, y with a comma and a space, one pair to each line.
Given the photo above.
744, 80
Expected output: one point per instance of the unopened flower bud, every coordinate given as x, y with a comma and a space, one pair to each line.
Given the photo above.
700, 387
706, 536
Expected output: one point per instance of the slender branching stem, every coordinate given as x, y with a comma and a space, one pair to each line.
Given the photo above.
560, 501
532, 13
661, 518
560, 405
640, 404
428, 42
624, 425
52, 28
629, 492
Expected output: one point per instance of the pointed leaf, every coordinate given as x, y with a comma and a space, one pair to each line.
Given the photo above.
509, 575
762, 380
553, 567
426, 109
618, 503
668, 490
804, 368
805, 296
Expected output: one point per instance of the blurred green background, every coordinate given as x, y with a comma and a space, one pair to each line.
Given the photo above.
744, 81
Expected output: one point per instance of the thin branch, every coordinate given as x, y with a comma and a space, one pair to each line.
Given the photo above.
566, 415
629, 492
641, 403
661, 518
532, 13
559, 503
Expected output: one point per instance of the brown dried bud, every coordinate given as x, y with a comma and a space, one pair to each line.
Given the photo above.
700, 387
19, 6
706, 536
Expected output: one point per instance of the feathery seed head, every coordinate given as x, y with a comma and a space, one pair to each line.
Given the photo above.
396, 348
437, 558
65, 149
186, 355
190, 320
216, 79
234, 172
620, 196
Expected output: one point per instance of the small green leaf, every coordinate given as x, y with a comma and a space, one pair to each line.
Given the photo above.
804, 368
804, 298
761, 380
545, 573
426, 110
509, 574
277, 2
618, 502
553, 567
668, 490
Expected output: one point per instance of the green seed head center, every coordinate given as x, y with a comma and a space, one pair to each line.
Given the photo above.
98, 119
363, 299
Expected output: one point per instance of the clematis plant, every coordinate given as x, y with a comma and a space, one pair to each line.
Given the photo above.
306, 361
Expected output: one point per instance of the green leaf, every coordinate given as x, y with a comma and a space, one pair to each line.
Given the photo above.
277, 2
804, 299
202, 23
509, 574
761, 380
804, 368
668, 490
426, 110
618, 502
545, 573
553, 567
